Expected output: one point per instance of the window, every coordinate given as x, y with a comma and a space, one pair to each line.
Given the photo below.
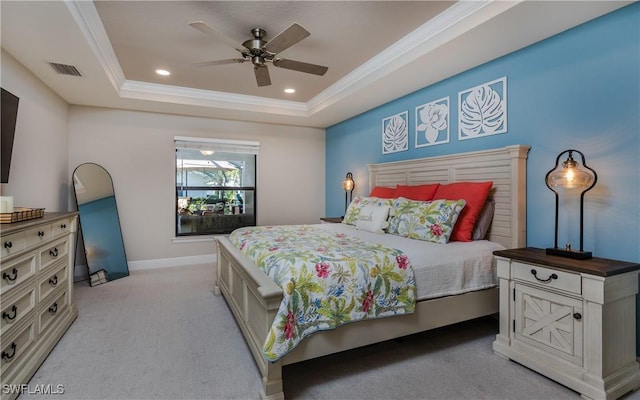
215, 185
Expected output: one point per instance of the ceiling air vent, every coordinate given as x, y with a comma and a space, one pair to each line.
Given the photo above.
65, 69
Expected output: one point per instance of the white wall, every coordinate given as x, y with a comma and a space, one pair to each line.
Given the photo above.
137, 149
53, 138
39, 177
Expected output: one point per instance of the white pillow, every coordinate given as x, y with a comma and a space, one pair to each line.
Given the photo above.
373, 218
351, 215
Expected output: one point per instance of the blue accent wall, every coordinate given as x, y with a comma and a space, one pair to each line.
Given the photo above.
577, 90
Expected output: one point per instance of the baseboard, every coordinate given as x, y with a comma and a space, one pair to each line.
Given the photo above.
81, 271
171, 262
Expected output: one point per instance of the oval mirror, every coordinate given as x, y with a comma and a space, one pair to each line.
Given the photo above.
99, 223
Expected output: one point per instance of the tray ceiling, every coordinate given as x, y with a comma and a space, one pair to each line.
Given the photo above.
376, 51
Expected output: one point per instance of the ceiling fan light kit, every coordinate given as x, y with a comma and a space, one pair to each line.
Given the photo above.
259, 51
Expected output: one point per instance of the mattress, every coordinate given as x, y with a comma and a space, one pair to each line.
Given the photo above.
439, 269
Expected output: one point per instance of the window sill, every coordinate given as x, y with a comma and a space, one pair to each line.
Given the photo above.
194, 239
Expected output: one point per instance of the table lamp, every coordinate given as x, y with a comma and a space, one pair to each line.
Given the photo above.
348, 184
570, 175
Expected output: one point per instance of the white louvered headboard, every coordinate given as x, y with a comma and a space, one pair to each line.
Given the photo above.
506, 167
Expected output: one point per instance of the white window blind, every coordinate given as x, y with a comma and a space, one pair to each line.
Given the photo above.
219, 145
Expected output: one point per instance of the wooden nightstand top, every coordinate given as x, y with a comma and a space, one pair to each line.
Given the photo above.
593, 266
334, 220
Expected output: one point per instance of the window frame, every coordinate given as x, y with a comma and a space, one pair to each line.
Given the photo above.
244, 147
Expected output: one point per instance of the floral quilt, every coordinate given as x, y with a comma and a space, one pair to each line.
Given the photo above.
328, 279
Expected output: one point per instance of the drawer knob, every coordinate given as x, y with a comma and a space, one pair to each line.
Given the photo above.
54, 252
577, 316
63, 226
12, 277
8, 245
9, 317
551, 277
40, 233
7, 356
54, 308
54, 280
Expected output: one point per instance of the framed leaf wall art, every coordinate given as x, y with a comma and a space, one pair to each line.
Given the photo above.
395, 133
432, 123
482, 110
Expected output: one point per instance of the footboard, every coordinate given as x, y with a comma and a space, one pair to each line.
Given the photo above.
254, 300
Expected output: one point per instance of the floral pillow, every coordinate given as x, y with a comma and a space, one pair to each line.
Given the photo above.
432, 221
355, 208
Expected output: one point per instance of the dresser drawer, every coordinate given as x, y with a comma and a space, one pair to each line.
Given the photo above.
51, 308
547, 277
12, 244
50, 281
16, 307
53, 253
17, 271
61, 227
35, 236
14, 348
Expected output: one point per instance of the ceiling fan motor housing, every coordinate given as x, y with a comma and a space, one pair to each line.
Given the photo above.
255, 46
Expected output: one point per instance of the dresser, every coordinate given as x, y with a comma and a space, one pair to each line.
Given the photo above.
573, 321
36, 293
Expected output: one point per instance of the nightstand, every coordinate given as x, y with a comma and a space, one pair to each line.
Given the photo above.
331, 220
573, 321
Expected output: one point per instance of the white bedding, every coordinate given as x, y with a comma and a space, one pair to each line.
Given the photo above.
440, 269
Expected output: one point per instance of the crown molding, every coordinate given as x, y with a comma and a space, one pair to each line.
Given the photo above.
90, 24
455, 20
207, 98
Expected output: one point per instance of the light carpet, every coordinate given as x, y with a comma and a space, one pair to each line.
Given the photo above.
163, 334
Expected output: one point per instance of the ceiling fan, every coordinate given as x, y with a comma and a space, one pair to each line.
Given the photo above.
259, 51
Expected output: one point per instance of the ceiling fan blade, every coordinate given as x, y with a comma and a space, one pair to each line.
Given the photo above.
209, 30
262, 75
300, 66
219, 62
287, 38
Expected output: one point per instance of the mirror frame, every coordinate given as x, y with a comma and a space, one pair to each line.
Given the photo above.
99, 274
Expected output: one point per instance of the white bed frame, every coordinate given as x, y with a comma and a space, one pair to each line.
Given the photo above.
254, 298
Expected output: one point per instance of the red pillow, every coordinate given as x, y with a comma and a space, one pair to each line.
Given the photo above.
383, 192
417, 192
475, 194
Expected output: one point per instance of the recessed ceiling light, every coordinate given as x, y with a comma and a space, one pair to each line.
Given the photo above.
163, 72
289, 90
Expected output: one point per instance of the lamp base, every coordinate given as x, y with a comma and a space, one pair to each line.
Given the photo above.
576, 255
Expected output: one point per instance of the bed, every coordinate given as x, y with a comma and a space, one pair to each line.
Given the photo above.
254, 298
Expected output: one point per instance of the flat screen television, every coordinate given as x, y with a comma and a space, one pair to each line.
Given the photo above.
8, 115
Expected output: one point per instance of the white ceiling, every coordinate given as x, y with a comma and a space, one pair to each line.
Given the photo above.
376, 51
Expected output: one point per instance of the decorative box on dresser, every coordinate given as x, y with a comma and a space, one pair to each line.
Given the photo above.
36, 292
571, 320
